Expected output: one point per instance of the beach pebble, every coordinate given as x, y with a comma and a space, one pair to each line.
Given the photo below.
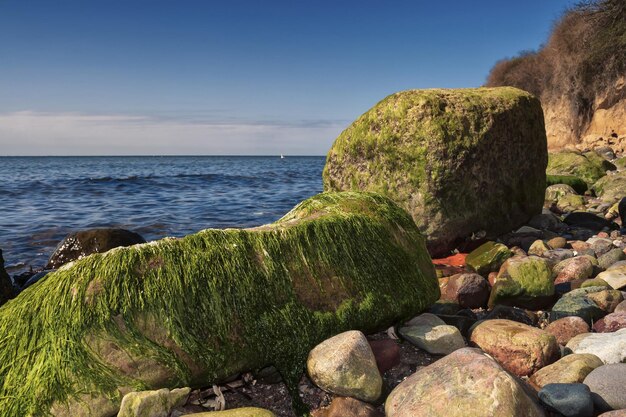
430, 333
566, 328
569, 369
348, 407
469, 290
610, 323
571, 400
607, 384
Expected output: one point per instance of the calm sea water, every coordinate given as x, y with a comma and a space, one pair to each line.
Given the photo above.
42, 199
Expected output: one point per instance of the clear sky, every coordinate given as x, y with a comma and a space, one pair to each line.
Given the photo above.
108, 77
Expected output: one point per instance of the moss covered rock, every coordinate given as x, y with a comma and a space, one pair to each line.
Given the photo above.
523, 282
576, 183
611, 188
459, 161
158, 403
488, 257
195, 310
588, 166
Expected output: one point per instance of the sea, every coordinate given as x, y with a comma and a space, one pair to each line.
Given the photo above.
42, 199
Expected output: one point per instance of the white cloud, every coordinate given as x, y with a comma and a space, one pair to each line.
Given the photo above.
35, 133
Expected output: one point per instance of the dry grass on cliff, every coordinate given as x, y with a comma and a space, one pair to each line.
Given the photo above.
583, 58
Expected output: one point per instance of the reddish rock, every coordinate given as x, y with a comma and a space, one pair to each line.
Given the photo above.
454, 260
492, 278
468, 290
519, 348
573, 269
603, 235
611, 323
347, 407
566, 328
386, 353
580, 246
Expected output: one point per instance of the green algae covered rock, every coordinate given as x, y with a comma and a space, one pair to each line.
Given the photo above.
488, 257
576, 183
157, 403
196, 310
611, 188
523, 282
459, 161
589, 166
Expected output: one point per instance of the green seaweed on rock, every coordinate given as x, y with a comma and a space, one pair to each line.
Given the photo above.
196, 310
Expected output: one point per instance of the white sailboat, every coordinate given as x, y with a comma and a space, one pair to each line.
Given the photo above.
282, 156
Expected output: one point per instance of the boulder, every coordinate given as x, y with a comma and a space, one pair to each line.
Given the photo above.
570, 202
611, 188
523, 282
467, 290
348, 407
557, 191
607, 386
85, 242
519, 348
566, 328
571, 400
6, 285
210, 305
610, 347
345, 365
466, 383
569, 369
157, 403
588, 166
445, 156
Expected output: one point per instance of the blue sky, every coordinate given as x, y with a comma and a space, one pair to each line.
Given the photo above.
235, 77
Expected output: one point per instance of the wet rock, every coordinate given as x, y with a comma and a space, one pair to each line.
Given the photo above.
547, 221
487, 258
36, 278
520, 349
610, 347
611, 257
430, 333
523, 282
467, 290
345, 365
607, 386
475, 386
571, 400
588, 221
579, 267
386, 352
6, 285
610, 323
85, 242
157, 403
512, 313
444, 307
577, 303
566, 328
348, 407
557, 255
569, 369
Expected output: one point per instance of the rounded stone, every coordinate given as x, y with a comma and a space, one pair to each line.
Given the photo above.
569, 369
521, 349
579, 267
345, 365
466, 383
607, 386
611, 257
348, 407
610, 347
438, 340
571, 400
566, 328
523, 282
557, 242
610, 323
386, 352
468, 290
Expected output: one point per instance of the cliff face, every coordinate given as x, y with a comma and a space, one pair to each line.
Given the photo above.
579, 76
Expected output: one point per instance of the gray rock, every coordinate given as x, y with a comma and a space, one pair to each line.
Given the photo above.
607, 386
611, 257
571, 400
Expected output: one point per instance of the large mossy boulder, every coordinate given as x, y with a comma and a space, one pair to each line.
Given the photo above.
459, 161
611, 188
196, 310
588, 166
